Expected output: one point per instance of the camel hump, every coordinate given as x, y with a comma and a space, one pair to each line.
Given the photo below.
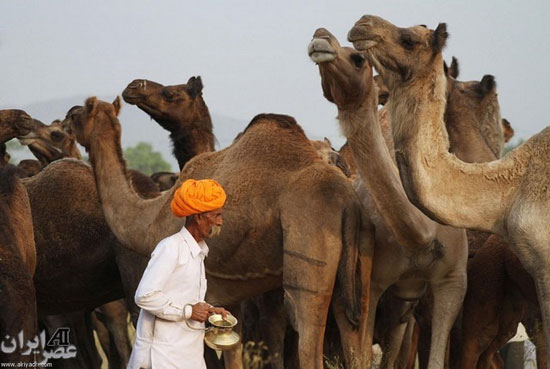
283, 121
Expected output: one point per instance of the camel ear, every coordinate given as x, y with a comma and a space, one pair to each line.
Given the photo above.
451, 71
194, 86
327, 141
117, 105
440, 36
487, 84
90, 105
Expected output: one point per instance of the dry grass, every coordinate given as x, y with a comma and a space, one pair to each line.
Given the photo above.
256, 355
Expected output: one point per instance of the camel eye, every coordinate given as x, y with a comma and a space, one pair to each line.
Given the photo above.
358, 60
407, 42
57, 136
168, 94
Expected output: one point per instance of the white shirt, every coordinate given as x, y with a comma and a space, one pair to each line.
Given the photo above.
174, 277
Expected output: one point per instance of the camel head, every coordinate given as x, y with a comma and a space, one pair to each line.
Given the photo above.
327, 154
167, 105
14, 123
475, 104
383, 92
398, 54
50, 142
95, 120
346, 76
507, 130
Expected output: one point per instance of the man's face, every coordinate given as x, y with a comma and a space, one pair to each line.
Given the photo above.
210, 223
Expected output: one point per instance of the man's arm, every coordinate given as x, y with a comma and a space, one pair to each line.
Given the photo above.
150, 293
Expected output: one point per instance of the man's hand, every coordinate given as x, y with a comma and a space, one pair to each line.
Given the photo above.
218, 310
201, 311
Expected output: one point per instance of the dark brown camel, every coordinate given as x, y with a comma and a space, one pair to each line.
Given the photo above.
17, 264
179, 109
4, 156
14, 123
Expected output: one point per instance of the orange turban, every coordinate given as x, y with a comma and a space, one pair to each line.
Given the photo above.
197, 197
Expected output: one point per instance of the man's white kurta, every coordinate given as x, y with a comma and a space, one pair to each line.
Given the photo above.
173, 278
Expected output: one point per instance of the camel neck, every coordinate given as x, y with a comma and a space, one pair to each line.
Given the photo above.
412, 229
189, 143
443, 187
124, 209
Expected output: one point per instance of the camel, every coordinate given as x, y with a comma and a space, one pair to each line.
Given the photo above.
181, 117
179, 109
508, 197
327, 153
419, 251
499, 293
50, 142
14, 123
164, 180
17, 265
253, 254
4, 155
507, 130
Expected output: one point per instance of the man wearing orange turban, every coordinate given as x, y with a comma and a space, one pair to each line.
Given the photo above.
171, 293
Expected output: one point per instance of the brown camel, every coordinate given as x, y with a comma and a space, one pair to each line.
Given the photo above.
14, 123
411, 251
164, 180
499, 292
50, 142
184, 117
179, 109
327, 153
253, 254
507, 130
508, 197
17, 264
4, 156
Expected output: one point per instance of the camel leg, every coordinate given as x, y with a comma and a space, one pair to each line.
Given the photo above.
407, 353
375, 294
448, 296
115, 314
354, 339
308, 291
542, 282
533, 325
233, 359
308, 313
396, 332
511, 312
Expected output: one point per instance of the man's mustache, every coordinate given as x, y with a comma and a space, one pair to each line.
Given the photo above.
215, 231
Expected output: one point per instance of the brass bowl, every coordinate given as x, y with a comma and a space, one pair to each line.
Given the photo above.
220, 335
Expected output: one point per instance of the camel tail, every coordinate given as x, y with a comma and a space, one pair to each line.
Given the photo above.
349, 277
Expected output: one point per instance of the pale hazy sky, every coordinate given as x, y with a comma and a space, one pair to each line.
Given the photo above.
252, 54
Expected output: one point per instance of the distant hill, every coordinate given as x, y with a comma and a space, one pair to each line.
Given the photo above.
136, 126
